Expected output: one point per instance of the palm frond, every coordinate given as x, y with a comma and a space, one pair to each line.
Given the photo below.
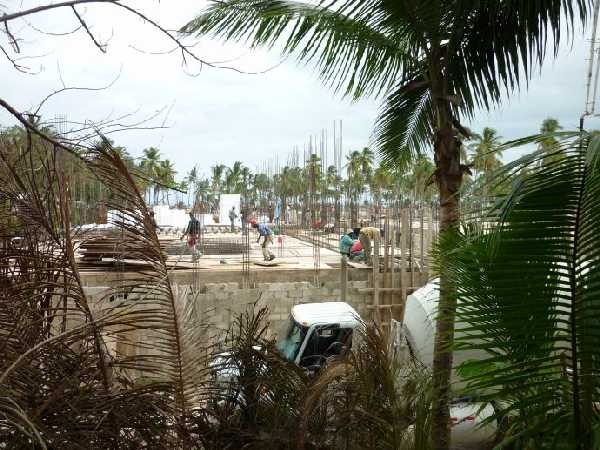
498, 44
404, 125
528, 298
172, 334
370, 399
351, 53
56, 366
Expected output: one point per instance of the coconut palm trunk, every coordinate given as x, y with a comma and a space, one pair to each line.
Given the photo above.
448, 178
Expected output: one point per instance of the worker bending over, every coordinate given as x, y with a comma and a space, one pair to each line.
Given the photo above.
367, 236
265, 232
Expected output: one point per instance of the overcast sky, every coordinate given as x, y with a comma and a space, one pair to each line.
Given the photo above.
220, 116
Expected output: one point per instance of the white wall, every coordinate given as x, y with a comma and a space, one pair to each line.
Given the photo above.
165, 216
225, 204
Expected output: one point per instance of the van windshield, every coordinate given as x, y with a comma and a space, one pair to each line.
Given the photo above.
290, 338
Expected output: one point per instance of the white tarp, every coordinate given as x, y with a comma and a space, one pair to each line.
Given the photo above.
167, 217
226, 201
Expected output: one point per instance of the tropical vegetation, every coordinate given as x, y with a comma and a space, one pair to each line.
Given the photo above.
435, 62
528, 298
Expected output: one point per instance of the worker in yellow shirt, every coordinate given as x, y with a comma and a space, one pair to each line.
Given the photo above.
367, 236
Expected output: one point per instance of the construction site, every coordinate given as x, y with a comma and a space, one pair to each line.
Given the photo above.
308, 267
227, 266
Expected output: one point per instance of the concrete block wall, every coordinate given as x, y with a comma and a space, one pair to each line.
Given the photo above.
219, 304
223, 302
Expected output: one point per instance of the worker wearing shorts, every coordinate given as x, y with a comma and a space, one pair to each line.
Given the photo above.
265, 232
367, 236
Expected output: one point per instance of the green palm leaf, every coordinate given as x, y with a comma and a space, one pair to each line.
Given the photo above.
529, 298
351, 53
404, 122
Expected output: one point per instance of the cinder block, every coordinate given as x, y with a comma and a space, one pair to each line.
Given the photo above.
213, 287
295, 294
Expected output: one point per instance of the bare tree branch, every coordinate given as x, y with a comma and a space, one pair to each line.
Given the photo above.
75, 88
101, 47
184, 49
12, 38
41, 8
50, 33
72, 146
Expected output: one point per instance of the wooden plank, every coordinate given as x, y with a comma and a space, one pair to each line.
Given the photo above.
376, 280
403, 254
380, 289
396, 305
266, 263
393, 261
386, 238
422, 234
344, 275
430, 234
409, 290
357, 265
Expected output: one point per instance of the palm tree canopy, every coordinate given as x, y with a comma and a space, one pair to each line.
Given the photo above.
151, 161
383, 47
549, 144
486, 150
166, 172
217, 176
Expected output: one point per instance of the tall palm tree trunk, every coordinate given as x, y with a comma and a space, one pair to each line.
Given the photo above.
323, 214
284, 208
353, 213
448, 177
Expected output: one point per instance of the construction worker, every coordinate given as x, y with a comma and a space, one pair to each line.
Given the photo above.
356, 251
367, 236
192, 231
265, 232
345, 244
232, 217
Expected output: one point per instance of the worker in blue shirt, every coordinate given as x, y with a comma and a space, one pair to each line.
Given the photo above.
265, 232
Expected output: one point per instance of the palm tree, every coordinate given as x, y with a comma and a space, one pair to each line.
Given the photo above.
166, 176
261, 185
549, 144
287, 186
150, 166
379, 183
333, 183
245, 180
435, 61
421, 178
204, 195
358, 173
367, 158
192, 179
312, 174
217, 177
232, 178
485, 151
